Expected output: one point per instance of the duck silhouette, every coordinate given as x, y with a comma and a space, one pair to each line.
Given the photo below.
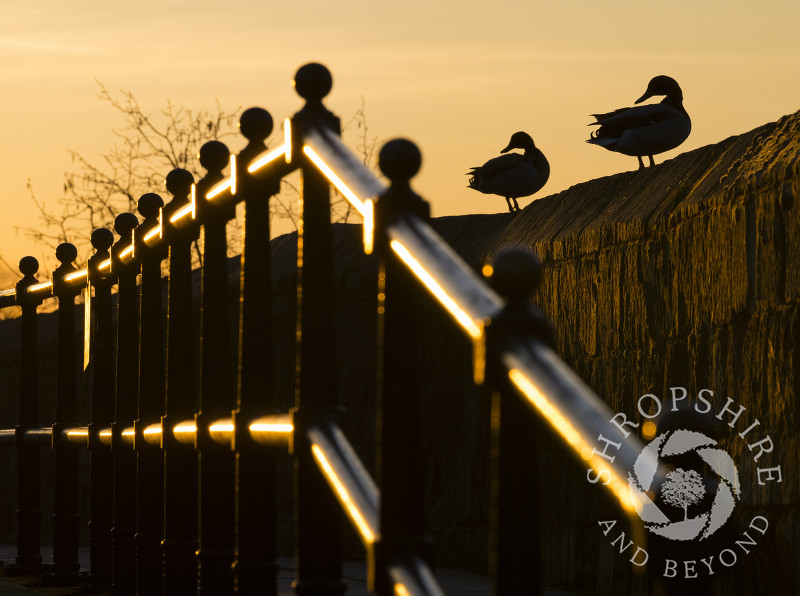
514, 175
645, 130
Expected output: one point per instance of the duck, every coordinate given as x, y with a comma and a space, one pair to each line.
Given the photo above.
513, 175
645, 130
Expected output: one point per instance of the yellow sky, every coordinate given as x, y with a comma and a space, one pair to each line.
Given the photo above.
458, 78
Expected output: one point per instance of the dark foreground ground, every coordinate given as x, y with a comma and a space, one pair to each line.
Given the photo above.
453, 582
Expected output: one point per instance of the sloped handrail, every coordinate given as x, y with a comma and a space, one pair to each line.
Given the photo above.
555, 391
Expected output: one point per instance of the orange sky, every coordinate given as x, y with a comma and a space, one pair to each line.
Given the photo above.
457, 78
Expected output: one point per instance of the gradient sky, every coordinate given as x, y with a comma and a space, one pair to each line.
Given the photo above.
458, 78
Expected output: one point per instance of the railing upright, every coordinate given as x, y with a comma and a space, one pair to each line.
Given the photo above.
256, 505
514, 553
318, 520
125, 407
101, 464
401, 464
150, 461
216, 462
29, 513
180, 461
66, 518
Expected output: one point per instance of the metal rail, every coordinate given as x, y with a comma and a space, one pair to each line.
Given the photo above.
226, 431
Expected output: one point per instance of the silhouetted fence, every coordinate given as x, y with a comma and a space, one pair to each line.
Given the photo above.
183, 496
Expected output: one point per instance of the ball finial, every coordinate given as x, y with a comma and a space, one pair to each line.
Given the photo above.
28, 265
102, 239
214, 156
399, 160
66, 253
255, 124
149, 204
313, 81
125, 223
179, 182
516, 273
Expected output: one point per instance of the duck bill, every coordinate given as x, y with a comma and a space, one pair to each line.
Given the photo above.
647, 95
507, 149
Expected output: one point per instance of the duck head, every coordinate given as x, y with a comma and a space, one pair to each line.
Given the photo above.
519, 140
662, 85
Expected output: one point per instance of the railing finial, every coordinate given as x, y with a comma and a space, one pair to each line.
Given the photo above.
399, 160
149, 204
66, 253
179, 182
125, 223
313, 81
255, 124
28, 266
214, 156
101, 240
516, 274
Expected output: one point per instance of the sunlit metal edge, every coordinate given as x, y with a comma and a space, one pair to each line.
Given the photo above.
272, 430
357, 203
76, 275
351, 483
152, 434
413, 577
472, 327
578, 422
287, 139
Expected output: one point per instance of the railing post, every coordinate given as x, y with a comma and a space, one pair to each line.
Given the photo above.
514, 544
256, 506
101, 464
216, 462
29, 513
66, 517
180, 461
318, 521
149, 460
401, 464
125, 404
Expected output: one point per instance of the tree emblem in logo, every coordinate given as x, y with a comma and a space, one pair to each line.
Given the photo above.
683, 488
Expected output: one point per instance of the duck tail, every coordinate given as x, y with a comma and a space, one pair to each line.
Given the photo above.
607, 142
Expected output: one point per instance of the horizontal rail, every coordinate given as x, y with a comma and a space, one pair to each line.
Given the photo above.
78, 435
351, 483
273, 430
38, 436
551, 388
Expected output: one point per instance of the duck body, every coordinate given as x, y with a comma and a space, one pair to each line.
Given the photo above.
645, 130
513, 175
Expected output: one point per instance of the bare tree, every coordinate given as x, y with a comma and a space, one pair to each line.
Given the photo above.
683, 488
147, 147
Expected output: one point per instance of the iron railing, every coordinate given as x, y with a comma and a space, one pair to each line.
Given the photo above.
192, 469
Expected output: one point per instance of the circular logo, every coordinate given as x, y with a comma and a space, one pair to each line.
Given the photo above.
682, 488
